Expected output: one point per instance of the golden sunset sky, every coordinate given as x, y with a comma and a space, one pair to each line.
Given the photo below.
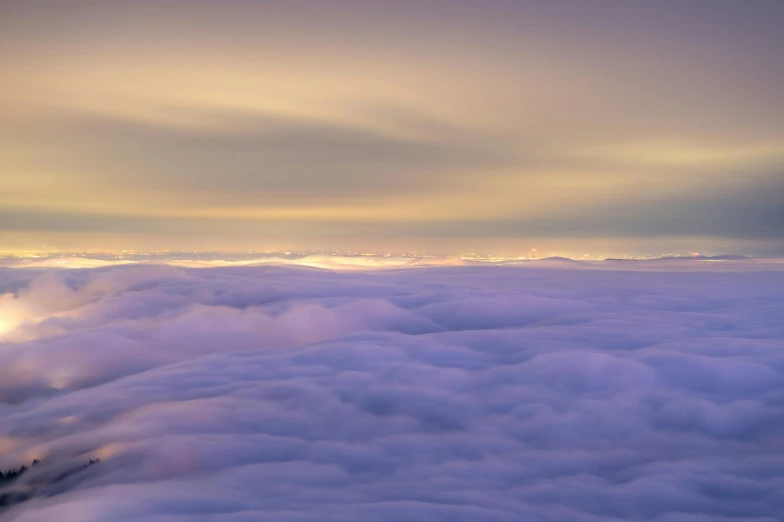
594, 126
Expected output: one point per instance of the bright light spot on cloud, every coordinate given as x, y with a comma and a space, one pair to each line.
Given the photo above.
109, 450
5, 326
10, 314
13, 314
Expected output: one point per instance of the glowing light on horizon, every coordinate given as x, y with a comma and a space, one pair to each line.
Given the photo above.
9, 314
6, 326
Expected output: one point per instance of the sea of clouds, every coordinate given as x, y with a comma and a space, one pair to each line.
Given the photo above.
430, 394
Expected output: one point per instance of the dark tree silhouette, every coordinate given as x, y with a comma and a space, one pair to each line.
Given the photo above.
9, 498
11, 474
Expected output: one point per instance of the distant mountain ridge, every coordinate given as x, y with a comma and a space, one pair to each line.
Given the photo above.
723, 257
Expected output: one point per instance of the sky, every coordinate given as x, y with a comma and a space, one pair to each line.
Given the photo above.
496, 125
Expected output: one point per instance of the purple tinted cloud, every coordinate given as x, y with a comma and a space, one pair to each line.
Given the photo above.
439, 394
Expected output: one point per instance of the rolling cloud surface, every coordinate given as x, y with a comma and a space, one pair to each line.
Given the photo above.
431, 394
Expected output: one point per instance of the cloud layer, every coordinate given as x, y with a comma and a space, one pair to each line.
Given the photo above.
433, 394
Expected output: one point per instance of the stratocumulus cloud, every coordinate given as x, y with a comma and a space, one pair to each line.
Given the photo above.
430, 394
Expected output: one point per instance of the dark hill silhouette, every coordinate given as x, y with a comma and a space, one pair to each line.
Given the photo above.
559, 258
723, 257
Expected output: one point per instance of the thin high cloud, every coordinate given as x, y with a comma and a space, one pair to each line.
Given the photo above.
463, 393
250, 123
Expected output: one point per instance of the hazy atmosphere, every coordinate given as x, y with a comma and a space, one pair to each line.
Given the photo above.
589, 127
391, 261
